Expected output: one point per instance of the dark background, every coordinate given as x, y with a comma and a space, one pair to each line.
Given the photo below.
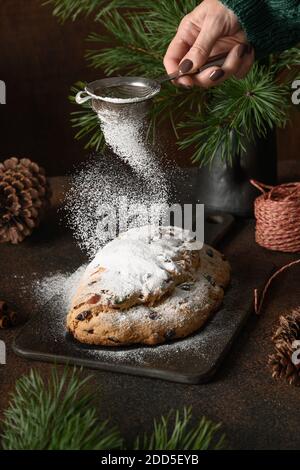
40, 60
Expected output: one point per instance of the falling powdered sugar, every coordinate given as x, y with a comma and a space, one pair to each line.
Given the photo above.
126, 137
126, 187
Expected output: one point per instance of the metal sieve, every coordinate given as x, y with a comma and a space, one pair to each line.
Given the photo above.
129, 90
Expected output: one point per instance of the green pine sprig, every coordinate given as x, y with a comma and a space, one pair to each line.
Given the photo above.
238, 111
208, 122
59, 414
180, 435
72, 9
86, 122
133, 46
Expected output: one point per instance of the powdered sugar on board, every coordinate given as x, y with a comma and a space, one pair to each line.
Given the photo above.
191, 360
59, 284
52, 329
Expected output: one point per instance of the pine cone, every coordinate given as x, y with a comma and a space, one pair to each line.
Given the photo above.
289, 328
24, 195
281, 361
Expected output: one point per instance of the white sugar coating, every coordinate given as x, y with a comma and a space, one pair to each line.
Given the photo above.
60, 287
111, 95
131, 177
62, 284
140, 263
135, 99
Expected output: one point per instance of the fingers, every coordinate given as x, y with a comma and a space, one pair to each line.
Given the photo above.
199, 52
183, 40
196, 40
176, 50
238, 62
179, 46
246, 64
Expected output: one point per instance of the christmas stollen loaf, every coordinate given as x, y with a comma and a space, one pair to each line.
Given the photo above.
148, 286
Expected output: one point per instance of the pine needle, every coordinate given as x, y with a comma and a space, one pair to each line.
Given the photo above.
174, 432
55, 414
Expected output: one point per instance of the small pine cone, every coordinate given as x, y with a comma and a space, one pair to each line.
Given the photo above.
281, 362
289, 327
283, 368
24, 196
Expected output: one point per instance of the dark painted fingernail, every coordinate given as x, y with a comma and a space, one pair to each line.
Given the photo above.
183, 85
216, 75
186, 66
243, 49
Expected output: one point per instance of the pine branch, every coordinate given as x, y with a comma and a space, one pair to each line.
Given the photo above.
86, 120
174, 432
134, 46
239, 110
58, 414
213, 122
155, 19
55, 415
287, 60
72, 9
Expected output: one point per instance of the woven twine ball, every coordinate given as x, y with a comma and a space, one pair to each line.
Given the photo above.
277, 213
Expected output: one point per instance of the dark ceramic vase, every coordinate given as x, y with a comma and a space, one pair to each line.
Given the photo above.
226, 187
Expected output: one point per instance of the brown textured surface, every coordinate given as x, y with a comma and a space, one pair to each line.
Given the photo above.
257, 412
40, 60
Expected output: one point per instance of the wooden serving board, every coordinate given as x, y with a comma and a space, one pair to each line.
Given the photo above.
191, 360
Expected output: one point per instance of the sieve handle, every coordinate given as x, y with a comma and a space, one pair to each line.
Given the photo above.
82, 97
218, 59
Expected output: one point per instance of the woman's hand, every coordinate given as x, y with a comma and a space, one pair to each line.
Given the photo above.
209, 29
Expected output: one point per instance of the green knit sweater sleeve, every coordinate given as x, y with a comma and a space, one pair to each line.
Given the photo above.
270, 25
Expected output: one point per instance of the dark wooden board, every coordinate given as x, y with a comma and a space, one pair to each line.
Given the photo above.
191, 360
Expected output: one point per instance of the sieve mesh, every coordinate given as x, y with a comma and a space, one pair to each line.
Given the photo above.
123, 90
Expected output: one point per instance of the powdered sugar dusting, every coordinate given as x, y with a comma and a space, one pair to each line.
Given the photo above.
199, 345
140, 264
126, 137
129, 180
59, 284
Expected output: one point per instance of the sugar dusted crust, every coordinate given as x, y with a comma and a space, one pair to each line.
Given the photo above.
175, 313
139, 267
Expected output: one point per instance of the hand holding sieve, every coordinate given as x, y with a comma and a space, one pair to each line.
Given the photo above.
126, 90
